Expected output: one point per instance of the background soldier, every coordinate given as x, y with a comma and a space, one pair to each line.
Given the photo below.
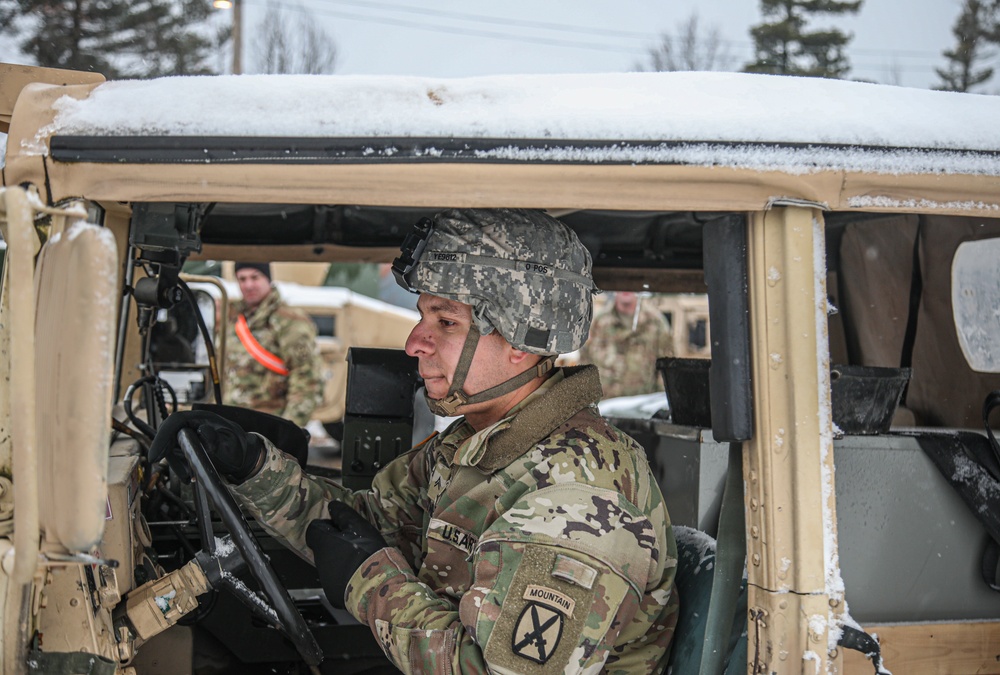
529, 536
624, 343
271, 362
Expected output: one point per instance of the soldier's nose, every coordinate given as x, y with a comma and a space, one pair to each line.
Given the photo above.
418, 344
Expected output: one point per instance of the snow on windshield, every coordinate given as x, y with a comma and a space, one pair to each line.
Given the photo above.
649, 108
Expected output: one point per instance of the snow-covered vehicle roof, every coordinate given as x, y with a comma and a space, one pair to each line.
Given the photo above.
716, 141
632, 117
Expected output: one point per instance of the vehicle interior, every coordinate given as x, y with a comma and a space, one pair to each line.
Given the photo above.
887, 406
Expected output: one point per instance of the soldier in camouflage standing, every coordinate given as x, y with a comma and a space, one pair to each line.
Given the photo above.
624, 343
529, 536
271, 362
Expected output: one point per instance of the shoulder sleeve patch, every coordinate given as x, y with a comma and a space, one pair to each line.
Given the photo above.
538, 623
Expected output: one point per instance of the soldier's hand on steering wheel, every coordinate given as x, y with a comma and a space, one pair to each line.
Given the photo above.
235, 453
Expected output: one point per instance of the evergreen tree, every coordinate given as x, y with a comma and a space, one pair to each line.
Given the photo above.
993, 21
975, 27
118, 38
783, 46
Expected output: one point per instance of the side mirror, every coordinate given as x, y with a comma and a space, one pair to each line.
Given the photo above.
178, 349
975, 302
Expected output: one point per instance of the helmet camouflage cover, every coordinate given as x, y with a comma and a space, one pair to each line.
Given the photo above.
525, 274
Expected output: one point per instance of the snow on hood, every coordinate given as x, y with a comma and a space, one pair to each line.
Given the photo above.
679, 106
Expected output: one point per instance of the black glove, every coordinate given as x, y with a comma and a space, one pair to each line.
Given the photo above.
339, 547
234, 452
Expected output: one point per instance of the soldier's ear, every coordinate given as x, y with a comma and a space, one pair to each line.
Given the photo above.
517, 357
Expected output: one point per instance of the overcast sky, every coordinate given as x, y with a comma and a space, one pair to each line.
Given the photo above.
896, 41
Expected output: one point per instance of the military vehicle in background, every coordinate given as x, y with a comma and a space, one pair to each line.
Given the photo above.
343, 319
846, 235
687, 314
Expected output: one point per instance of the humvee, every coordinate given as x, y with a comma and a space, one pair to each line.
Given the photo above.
837, 446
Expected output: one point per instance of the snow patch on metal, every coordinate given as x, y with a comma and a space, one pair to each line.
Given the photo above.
975, 301
879, 201
831, 556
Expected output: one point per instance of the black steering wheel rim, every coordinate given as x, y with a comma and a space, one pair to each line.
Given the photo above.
209, 486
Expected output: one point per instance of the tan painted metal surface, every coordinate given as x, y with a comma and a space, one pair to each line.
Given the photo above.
13, 78
653, 187
159, 604
789, 462
66, 617
565, 186
22, 245
6, 448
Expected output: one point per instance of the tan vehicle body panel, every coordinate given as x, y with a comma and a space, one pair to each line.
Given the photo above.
686, 311
14, 78
597, 186
790, 509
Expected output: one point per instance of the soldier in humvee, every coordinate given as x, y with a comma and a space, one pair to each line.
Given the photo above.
529, 536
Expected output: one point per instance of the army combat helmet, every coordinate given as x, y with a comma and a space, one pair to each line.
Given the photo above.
525, 274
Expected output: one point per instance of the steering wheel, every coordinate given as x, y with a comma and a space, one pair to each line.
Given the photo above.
278, 611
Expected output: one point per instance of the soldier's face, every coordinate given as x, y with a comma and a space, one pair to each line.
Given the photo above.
437, 342
625, 302
253, 285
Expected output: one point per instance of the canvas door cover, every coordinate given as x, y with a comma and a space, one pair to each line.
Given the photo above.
875, 278
76, 287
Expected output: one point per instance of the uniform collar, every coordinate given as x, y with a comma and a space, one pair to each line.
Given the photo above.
562, 395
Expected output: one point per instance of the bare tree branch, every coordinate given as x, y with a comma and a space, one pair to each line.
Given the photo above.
305, 48
688, 49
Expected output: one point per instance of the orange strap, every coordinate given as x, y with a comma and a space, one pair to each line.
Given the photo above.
261, 355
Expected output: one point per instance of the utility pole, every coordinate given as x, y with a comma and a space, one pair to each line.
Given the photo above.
237, 37
237, 7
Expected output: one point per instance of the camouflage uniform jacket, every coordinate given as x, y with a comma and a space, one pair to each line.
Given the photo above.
540, 544
626, 357
287, 333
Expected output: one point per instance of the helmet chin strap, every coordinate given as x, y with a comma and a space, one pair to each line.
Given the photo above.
456, 397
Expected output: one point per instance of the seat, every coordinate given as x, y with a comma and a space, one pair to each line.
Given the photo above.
695, 565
